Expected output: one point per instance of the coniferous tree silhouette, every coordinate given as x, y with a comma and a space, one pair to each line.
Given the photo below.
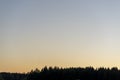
56, 73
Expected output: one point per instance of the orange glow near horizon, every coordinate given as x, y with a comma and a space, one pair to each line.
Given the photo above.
63, 33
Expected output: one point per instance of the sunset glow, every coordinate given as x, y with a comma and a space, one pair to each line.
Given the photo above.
64, 33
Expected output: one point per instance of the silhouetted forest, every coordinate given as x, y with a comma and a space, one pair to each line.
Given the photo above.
56, 73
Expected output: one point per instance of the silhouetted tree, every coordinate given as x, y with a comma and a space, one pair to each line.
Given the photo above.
56, 73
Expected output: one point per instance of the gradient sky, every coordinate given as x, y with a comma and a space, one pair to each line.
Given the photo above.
64, 33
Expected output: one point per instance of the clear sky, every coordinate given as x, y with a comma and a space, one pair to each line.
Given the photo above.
64, 33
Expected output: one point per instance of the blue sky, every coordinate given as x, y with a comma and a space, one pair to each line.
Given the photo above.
64, 33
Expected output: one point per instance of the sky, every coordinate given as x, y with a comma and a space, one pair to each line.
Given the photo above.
63, 33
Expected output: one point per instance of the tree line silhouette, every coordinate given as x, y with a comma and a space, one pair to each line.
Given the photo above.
56, 73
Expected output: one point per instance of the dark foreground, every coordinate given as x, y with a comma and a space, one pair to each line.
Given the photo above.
88, 73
